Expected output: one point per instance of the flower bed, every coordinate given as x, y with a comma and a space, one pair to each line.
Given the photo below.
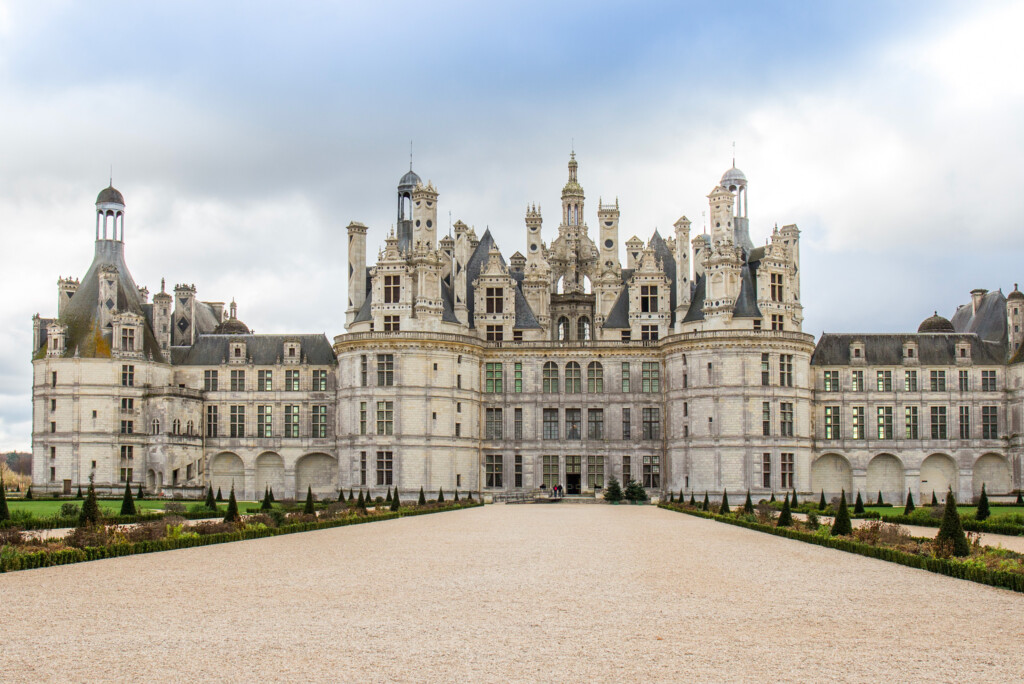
985, 565
22, 557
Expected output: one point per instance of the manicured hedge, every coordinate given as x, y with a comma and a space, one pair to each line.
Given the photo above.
995, 578
61, 523
43, 559
970, 524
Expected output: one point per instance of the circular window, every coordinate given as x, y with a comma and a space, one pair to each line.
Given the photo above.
417, 223
430, 224
608, 264
608, 244
533, 248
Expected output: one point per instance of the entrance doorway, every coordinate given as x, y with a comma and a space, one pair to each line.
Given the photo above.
573, 474
572, 484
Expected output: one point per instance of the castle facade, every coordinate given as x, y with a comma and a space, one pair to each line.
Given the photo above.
683, 368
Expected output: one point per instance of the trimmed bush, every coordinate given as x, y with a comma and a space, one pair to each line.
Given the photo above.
858, 507
1020, 498
707, 503
455, 499
724, 508
211, 503
127, 503
266, 505
671, 497
5, 513
935, 499
141, 495
361, 502
440, 495
220, 497
470, 498
90, 514
635, 492
395, 503
772, 500
350, 496
792, 500
748, 505
680, 495
79, 492
878, 501
909, 508
842, 525
232, 513
387, 499
952, 531
28, 492
693, 501
982, 511
786, 517
271, 495
613, 492
422, 500
309, 509
822, 504
341, 496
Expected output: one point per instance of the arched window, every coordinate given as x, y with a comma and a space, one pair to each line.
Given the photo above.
595, 378
176, 427
188, 428
551, 377
156, 427
583, 328
563, 328
573, 378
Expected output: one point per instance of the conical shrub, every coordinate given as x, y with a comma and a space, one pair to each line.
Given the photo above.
470, 497
220, 497
210, 502
1020, 498
351, 497
792, 500
935, 499
983, 511
232, 513
707, 502
822, 504
362, 501
79, 492
271, 495
395, 502
5, 512
909, 508
952, 530
341, 496
387, 499
748, 505
28, 492
879, 502
141, 495
456, 497
772, 500
127, 503
90, 513
858, 507
693, 501
309, 509
842, 524
671, 497
786, 516
440, 495
613, 492
266, 505
423, 498
724, 508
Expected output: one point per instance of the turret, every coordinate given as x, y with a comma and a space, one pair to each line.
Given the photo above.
66, 289
424, 214
608, 218
634, 248
682, 257
534, 244
356, 270
183, 331
110, 215
701, 247
162, 303
462, 253
1015, 319
721, 202
107, 296
406, 186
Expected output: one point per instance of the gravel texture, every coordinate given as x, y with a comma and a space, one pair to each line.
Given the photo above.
508, 593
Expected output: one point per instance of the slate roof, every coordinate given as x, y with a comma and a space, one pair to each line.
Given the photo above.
696, 310
746, 303
936, 349
212, 350
618, 316
364, 310
525, 317
989, 322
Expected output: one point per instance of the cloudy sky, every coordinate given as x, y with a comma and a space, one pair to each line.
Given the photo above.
245, 137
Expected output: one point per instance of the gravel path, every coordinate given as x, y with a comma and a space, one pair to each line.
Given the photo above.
508, 593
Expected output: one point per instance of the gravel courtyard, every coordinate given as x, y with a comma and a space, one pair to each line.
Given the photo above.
508, 593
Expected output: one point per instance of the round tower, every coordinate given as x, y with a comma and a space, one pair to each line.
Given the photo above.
110, 214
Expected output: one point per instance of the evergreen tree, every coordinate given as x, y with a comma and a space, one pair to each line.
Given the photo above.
232, 513
792, 500
671, 497
822, 504
5, 512
935, 499
858, 506
748, 505
613, 492
210, 503
79, 492
309, 509
341, 496
693, 501
361, 501
1020, 498
983, 511
90, 514
350, 496
842, 524
786, 517
470, 499
140, 496
271, 495
220, 497
952, 530
387, 499
395, 503
681, 497
266, 505
440, 495
880, 502
909, 508
707, 502
28, 492
634, 491
456, 498
127, 503
423, 498
772, 500
724, 508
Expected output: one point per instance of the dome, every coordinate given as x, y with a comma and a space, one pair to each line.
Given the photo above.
231, 326
1016, 294
109, 194
935, 324
410, 180
733, 178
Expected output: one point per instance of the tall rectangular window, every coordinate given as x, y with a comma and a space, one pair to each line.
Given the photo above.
649, 298
786, 419
911, 420
595, 378
550, 377
264, 421
495, 300
237, 418
627, 469
291, 381
776, 287
965, 381
832, 425
494, 378
549, 466
210, 381
859, 423
910, 380
965, 422
786, 370
938, 381
385, 418
128, 339
518, 482
362, 468
319, 421
989, 422
319, 381
652, 472
573, 423
857, 381
363, 363
884, 379
385, 468
517, 378
264, 381
127, 375
127, 462
573, 378
238, 381
777, 322
494, 465
831, 381
494, 424
550, 423
885, 422
626, 427
211, 421
766, 470
495, 333
392, 289
651, 423
127, 427
625, 376
766, 418
988, 381
291, 420
595, 423
786, 470
766, 370
938, 422
517, 424
595, 472
385, 370
650, 379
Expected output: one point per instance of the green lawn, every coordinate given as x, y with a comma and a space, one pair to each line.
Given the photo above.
46, 509
995, 510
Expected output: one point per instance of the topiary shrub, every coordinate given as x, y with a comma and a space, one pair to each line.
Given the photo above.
456, 497
681, 497
909, 508
772, 500
671, 497
1020, 498
350, 496
271, 495
951, 532
748, 505
935, 499
220, 497
706, 506
613, 492
5, 512
232, 514
361, 502
879, 501
395, 502
90, 514
983, 512
341, 496
822, 504
140, 496
28, 492
858, 507
470, 498
210, 502
308, 509
387, 499
693, 501
792, 500
723, 509
127, 504
842, 524
266, 505
440, 495
786, 516
79, 495
423, 498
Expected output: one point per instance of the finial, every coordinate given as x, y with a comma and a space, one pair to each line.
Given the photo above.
410, 155
734, 154
111, 175
163, 285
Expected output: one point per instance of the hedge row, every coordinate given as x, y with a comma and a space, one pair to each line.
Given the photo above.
970, 524
942, 566
61, 523
43, 559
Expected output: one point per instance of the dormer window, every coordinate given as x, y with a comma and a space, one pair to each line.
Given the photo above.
858, 354
495, 300
292, 352
776, 287
128, 339
392, 289
236, 352
648, 298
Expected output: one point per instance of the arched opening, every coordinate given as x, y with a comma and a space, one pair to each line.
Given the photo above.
993, 471
573, 378
269, 473
586, 284
583, 328
550, 377
832, 474
155, 427
562, 330
151, 480
938, 474
317, 472
595, 378
560, 285
227, 469
885, 475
